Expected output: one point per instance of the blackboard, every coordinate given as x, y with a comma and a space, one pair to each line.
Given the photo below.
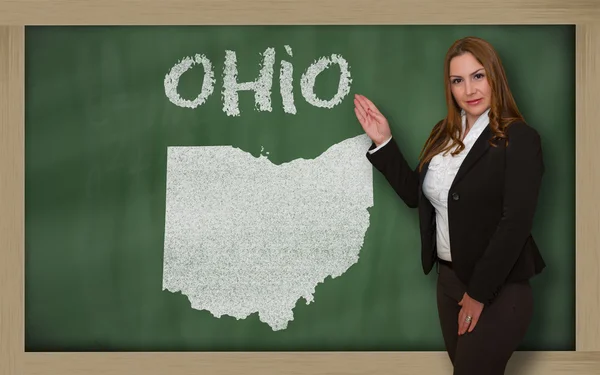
98, 125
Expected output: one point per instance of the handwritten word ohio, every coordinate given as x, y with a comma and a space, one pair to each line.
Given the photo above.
261, 86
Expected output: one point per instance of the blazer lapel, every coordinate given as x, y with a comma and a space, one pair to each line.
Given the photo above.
423, 172
480, 146
422, 177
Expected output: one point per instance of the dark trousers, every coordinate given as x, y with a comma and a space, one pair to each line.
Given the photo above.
499, 331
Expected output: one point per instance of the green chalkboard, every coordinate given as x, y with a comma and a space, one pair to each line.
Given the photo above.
99, 123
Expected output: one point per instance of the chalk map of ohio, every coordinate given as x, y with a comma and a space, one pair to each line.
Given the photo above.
244, 235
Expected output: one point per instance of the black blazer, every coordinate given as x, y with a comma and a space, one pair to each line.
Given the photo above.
491, 207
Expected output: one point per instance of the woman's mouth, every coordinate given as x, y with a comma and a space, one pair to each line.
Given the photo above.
474, 102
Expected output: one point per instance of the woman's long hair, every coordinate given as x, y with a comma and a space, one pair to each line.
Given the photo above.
447, 133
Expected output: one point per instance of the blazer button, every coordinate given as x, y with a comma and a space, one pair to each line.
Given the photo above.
455, 196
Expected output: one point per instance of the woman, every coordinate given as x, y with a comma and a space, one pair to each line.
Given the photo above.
476, 188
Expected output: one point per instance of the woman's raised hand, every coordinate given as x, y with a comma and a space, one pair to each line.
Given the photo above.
372, 121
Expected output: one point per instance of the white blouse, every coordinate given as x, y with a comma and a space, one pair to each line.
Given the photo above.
440, 175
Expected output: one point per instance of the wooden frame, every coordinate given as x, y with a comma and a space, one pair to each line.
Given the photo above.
14, 15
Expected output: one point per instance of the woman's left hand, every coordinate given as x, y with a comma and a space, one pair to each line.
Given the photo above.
470, 308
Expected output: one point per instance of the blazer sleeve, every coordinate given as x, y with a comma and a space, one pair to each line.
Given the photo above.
524, 168
391, 163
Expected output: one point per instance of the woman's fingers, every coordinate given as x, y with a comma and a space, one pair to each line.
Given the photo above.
372, 121
372, 106
370, 109
463, 322
360, 108
359, 101
465, 325
365, 117
361, 117
378, 116
473, 322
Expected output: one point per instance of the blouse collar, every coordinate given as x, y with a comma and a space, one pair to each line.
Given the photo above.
482, 120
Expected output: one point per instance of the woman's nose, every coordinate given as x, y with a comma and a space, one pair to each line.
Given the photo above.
470, 88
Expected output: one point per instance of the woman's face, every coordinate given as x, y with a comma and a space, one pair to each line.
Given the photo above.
469, 85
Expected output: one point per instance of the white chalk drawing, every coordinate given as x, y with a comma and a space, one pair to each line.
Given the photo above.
286, 84
244, 236
262, 85
172, 81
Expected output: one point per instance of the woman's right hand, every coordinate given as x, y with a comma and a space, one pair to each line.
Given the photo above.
372, 121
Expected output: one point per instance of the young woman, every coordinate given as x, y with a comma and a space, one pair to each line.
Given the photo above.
476, 188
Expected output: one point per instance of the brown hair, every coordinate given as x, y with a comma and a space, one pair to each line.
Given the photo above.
446, 134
